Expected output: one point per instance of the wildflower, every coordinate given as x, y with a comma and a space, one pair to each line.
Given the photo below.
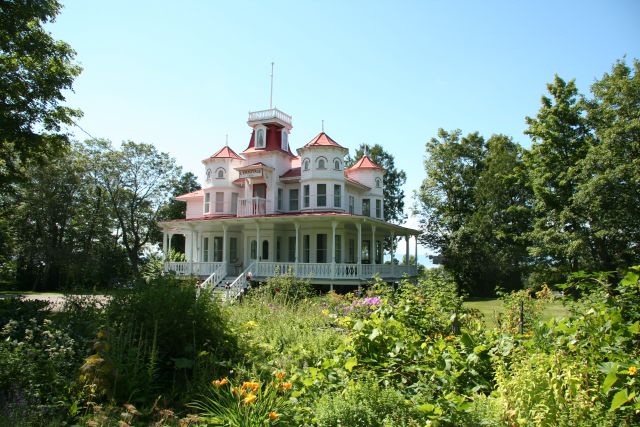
220, 383
325, 312
237, 391
280, 375
449, 338
102, 334
285, 386
273, 416
633, 370
249, 385
250, 324
250, 399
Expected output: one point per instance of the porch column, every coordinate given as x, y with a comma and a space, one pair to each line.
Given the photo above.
224, 246
393, 265
416, 260
169, 248
164, 244
334, 224
198, 245
191, 252
375, 247
258, 248
297, 244
359, 227
406, 254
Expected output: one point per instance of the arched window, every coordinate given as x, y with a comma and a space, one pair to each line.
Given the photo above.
378, 183
208, 174
322, 163
306, 164
336, 164
285, 140
220, 173
260, 138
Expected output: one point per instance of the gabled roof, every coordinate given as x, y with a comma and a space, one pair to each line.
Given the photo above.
356, 183
292, 173
364, 163
192, 195
224, 153
323, 140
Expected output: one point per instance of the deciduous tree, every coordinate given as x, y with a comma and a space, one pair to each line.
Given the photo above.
35, 70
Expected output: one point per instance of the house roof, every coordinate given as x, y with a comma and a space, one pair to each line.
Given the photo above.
225, 153
192, 195
273, 141
364, 163
356, 183
292, 173
322, 140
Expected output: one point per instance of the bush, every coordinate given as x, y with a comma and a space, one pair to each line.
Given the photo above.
284, 288
366, 404
162, 338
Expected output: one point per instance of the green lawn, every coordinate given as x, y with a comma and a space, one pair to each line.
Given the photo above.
491, 307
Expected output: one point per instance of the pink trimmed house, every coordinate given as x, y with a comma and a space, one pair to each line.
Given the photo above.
266, 211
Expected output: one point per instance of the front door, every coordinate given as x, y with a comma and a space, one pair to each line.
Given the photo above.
260, 190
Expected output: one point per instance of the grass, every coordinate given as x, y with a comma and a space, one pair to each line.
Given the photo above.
490, 307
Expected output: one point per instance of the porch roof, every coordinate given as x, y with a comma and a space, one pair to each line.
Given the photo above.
288, 217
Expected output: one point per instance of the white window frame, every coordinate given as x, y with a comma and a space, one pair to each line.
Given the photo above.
284, 142
207, 202
219, 202
264, 140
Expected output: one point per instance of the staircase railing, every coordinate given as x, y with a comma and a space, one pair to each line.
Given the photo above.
236, 288
215, 278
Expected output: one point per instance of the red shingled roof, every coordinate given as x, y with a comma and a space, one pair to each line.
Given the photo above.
226, 153
322, 139
273, 141
291, 173
364, 163
197, 193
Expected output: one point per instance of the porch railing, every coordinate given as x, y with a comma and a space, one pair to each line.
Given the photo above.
303, 270
192, 268
235, 289
254, 206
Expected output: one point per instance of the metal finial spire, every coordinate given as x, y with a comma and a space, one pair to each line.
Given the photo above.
366, 149
271, 95
226, 140
322, 125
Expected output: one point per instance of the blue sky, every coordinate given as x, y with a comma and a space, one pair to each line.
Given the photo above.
182, 75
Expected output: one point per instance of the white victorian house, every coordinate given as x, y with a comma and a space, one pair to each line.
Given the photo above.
267, 211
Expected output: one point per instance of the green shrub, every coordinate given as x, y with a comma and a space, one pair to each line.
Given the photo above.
283, 288
366, 404
162, 338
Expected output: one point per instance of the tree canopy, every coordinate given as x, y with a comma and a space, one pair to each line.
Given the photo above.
35, 70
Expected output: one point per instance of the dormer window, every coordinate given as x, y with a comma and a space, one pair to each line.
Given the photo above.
336, 164
322, 163
260, 137
220, 173
378, 183
285, 140
306, 164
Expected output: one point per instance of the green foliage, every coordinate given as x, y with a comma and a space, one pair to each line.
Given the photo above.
36, 70
247, 405
160, 338
366, 404
473, 209
522, 309
37, 359
283, 288
137, 180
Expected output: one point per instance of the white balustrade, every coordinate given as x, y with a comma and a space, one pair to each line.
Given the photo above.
269, 114
254, 206
302, 270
